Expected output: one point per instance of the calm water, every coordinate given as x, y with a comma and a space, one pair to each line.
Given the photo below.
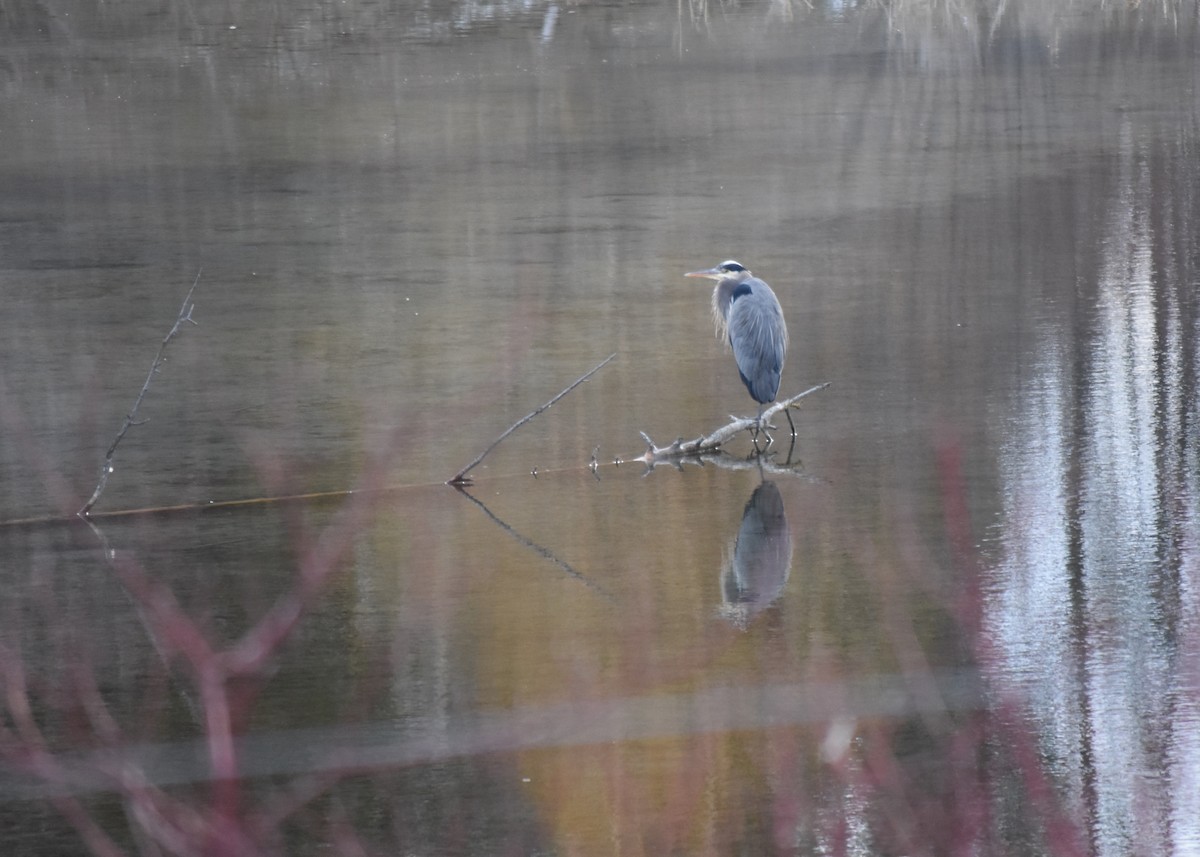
959, 616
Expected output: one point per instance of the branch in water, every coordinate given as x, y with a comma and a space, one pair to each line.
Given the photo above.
106, 469
461, 477
712, 442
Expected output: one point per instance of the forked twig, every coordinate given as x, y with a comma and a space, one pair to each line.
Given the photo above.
106, 469
461, 478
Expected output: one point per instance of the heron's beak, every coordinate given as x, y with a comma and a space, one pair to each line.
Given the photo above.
710, 274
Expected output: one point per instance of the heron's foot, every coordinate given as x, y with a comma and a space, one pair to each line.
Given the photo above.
759, 429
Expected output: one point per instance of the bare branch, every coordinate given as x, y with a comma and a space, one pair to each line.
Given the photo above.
461, 478
106, 469
712, 443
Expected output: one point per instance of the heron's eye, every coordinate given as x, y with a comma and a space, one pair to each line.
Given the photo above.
731, 267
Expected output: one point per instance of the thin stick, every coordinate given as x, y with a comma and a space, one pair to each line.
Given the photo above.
460, 478
106, 469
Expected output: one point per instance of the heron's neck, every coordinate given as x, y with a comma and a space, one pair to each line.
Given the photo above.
722, 297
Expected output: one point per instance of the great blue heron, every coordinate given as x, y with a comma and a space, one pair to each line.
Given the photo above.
747, 312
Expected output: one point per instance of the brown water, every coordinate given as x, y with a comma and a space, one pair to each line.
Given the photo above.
959, 616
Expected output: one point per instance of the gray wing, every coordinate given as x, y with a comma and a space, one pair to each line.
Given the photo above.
758, 335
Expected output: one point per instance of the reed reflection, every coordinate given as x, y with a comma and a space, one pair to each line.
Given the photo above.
758, 566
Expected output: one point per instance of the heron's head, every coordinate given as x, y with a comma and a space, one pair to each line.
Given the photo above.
729, 270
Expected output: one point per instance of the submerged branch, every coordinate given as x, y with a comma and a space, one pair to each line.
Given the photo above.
461, 477
765, 462
712, 442
106, 469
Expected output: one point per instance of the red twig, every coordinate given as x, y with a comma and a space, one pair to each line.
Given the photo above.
30, 754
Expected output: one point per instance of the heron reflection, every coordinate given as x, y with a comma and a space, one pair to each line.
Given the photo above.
757, 569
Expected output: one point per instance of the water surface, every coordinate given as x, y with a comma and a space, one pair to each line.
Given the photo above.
959, 615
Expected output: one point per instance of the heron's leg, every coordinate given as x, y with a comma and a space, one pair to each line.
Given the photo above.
760, 449
756, 428
763, 428
788, 413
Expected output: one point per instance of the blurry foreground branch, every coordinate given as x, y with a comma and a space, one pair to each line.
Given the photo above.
106, 469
